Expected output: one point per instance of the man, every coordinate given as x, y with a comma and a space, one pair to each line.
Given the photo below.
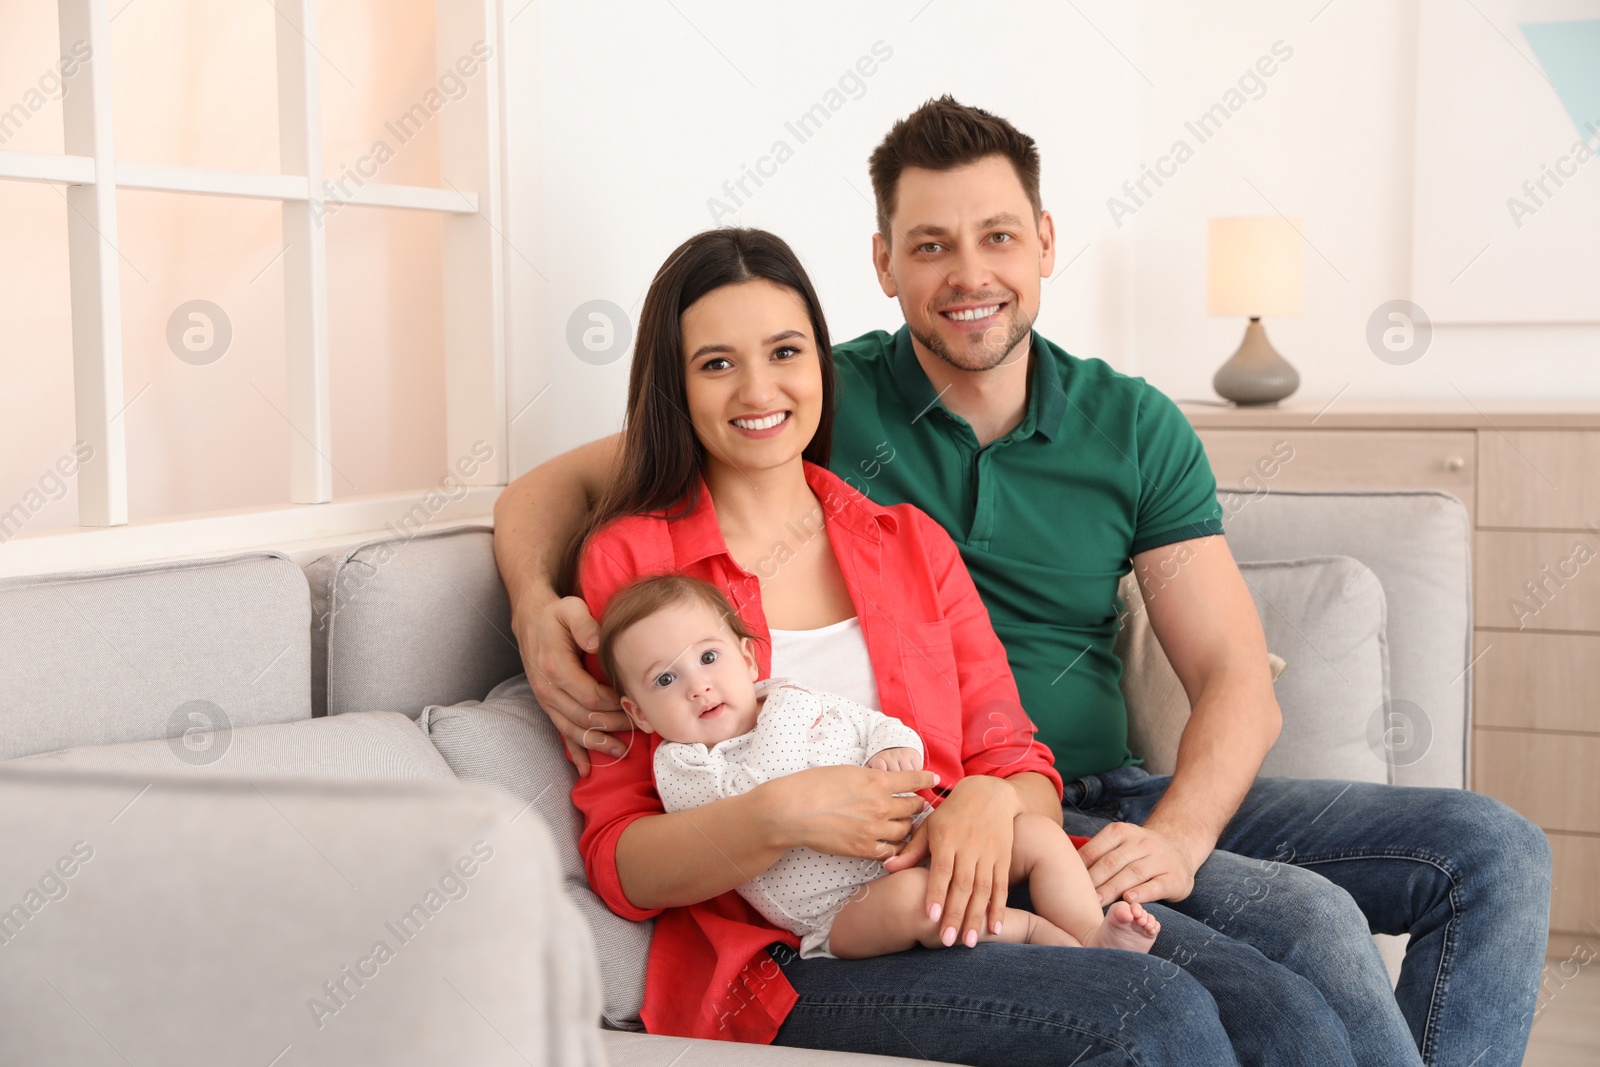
1053, 475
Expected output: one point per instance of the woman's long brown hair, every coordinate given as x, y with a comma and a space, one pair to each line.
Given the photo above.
662, 459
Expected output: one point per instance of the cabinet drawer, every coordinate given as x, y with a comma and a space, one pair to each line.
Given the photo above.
1547, 777
1539, 479
1537, 581
1537, 681
1344, 459
1575, 906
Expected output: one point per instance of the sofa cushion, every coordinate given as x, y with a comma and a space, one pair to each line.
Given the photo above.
1158, 707
508, 741
112, 656
657, 1050
404, 622
1326, 614
220, 921
365, 745
1419, 544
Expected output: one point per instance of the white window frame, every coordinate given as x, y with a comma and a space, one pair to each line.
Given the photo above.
470, 166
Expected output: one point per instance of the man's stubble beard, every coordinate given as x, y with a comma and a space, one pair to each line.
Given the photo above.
990, 356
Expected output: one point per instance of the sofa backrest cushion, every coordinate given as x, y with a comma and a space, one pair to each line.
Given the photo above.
403, 622
1419, 544
1326, 616
506, 740
370, 745
132, 654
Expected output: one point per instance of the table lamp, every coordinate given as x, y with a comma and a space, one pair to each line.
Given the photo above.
1255, 266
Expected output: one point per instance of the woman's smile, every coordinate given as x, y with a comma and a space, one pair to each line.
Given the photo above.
768, 424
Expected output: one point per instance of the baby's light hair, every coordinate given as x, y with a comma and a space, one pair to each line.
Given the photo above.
638, 601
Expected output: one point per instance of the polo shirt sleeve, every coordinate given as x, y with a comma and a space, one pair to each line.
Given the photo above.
1177, 491
997, 736
615, 792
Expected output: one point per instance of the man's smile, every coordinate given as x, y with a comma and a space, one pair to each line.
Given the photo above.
974, 317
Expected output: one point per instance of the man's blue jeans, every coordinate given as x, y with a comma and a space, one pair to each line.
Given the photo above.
1274, 962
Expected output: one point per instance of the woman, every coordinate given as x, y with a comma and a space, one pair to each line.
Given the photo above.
724, 478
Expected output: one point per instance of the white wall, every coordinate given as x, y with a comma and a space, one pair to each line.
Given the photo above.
642, 113
1330, 141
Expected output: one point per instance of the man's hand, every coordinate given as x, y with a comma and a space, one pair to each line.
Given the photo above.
968, 838
535, 519
1134, 863
897, 759
586, 712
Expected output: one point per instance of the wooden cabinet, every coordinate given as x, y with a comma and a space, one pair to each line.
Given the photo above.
1337, 459
1529, 474
1536, 580
1540, 479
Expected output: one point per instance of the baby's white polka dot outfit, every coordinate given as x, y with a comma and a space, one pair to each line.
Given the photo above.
798, 728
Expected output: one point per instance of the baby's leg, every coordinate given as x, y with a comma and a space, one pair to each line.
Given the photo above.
1059, 884
889, 914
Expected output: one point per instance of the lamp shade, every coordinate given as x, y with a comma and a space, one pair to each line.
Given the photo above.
1255, 266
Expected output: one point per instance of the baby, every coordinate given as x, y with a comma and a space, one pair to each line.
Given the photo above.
683, 664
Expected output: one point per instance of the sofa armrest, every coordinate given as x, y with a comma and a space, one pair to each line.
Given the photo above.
186, 921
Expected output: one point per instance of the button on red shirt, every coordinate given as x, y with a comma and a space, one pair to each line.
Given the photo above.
940, 669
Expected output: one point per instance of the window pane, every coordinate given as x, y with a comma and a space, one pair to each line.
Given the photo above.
380, 108
385, 297
203, 350
196, 83
34, 74
386, 349
38, 464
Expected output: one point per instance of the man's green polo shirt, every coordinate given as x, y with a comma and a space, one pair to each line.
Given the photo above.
1103, 466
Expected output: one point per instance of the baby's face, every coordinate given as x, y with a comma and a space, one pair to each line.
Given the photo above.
687, 677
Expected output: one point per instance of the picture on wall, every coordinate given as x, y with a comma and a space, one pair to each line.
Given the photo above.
1507, 170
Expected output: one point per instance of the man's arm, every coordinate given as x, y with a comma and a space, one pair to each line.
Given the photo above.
1201, 611
535, 519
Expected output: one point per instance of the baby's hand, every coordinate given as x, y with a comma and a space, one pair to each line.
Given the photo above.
897, 759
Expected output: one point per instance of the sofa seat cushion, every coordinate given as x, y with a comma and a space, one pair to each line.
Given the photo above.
111, 656
506, 740
1326, 615
374, 745
654, 1050
404, 622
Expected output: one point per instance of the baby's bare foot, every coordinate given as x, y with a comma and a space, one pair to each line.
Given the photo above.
1127, 926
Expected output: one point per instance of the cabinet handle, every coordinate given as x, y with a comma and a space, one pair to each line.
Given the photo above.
1455, 463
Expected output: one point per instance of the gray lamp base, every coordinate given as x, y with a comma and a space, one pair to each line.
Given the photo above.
1256, 374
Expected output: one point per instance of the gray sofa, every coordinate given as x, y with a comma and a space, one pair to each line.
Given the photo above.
270, 780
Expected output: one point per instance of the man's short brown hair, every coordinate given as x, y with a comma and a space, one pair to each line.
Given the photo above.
636, 602
944, 134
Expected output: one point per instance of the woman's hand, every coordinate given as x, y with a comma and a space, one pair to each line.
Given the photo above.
845, 811
586, 712
969, 840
